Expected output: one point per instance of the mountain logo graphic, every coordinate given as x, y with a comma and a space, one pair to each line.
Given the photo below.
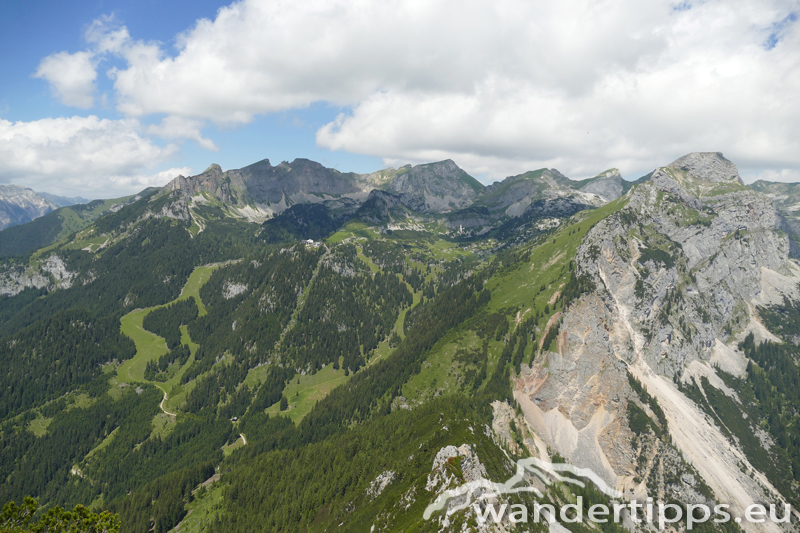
547, 472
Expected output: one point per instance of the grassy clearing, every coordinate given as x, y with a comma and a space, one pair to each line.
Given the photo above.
39, 425
367, 261
177, 396
230, 448
115, 391
207, 504
383, 348
439, 373
445, 250
150, 346
91, 244
353, 229
162, 425
105, 443
193, 346
196, 280
303, 395
81, 401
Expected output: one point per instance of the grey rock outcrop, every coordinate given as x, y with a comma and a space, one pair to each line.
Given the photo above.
607, 185
678, 273
711, 166
51, 273
269, 188
435, 187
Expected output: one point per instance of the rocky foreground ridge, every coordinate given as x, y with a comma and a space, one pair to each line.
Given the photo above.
679, 273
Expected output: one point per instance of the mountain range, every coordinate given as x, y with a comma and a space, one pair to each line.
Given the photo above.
19, 205
292, 348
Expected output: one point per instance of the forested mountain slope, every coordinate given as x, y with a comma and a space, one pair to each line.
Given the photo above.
340, 365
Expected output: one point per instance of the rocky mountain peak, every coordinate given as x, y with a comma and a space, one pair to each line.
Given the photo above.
607, 185
710, 166
436, 187
213, 168
554, 178
611, 173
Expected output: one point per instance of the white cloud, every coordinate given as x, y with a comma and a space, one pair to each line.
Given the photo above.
107, 36
501, 87
71, 76
173, 127
138, 182
785, 175
79, 155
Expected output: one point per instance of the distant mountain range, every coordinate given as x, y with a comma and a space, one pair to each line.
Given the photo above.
261, 191
440, 193
19, 205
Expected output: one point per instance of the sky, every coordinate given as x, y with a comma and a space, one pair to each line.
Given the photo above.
102, 98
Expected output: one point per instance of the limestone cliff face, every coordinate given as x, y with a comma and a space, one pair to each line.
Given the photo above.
545, 190
261, 190
608, 185
711, 166
436, 187
52, 273
512, 196
271, 188
678, 272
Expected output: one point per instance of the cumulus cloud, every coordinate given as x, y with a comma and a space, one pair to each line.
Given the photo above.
501, 87
174, 127
71, 76
98, 157
138, 182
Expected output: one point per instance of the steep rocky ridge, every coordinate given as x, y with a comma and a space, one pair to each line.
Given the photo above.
261, 191
267, 189
678, 273
514, 194
509, 205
